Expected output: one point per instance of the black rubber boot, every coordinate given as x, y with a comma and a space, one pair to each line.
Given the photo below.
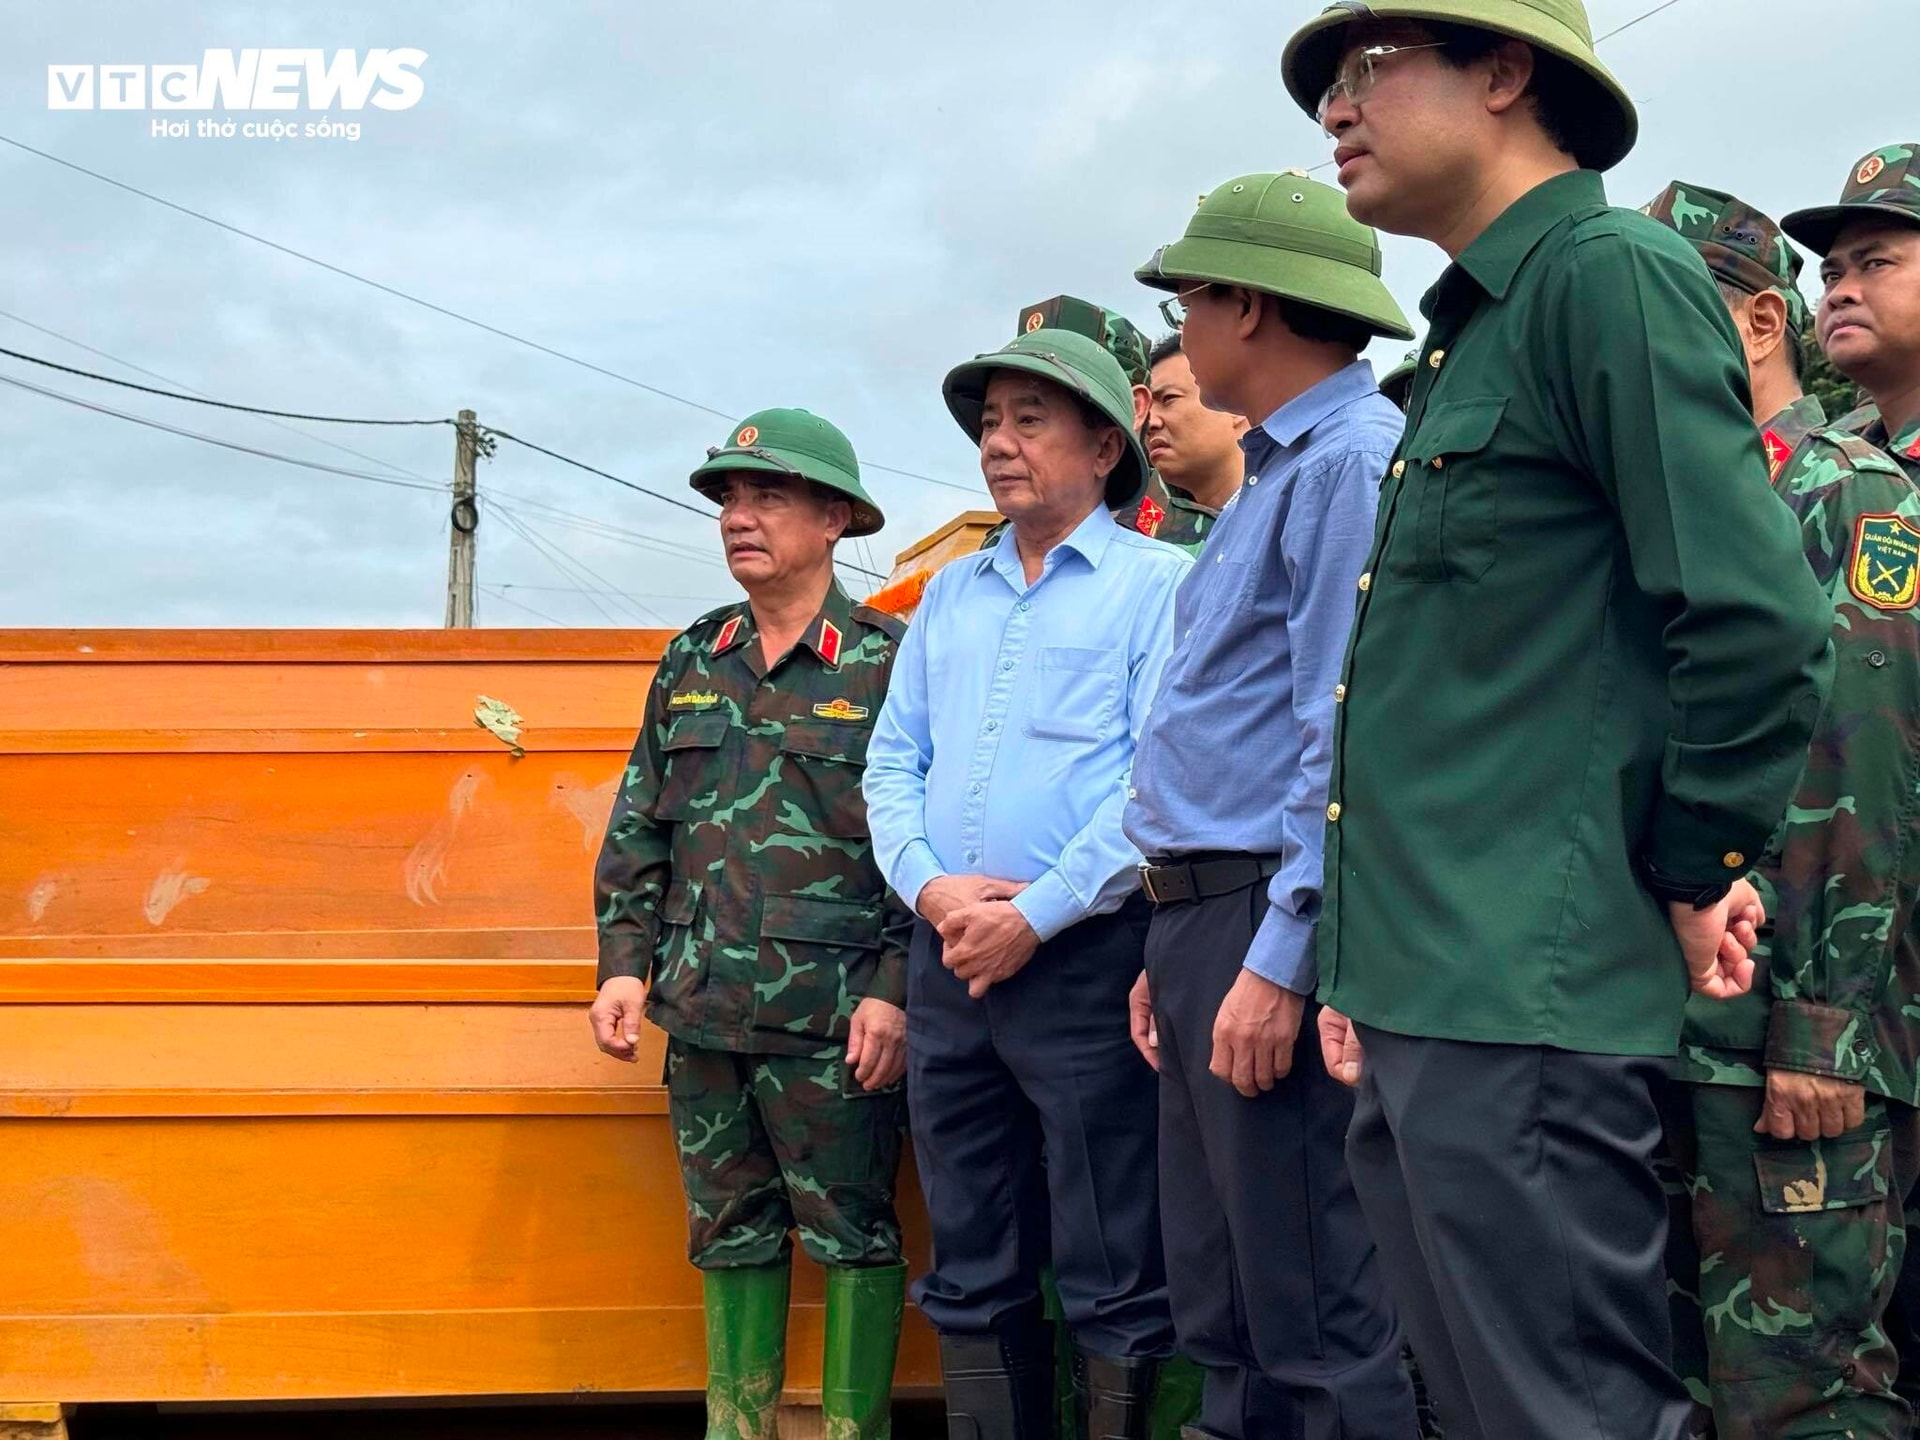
1113, 1395
999, 1386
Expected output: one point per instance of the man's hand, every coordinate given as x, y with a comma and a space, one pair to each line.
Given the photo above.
615, 1017
1810, 1107
1717, 942
940, 897
1340, 1047
986, 943
1253, 1034
1146, 1039
877, 1043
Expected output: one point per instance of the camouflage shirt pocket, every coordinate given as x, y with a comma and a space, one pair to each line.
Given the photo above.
823, 765
692, 753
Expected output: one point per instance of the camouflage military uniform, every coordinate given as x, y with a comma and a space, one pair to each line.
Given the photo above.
1165, 512
1794, 1247
1904, 447
738, 875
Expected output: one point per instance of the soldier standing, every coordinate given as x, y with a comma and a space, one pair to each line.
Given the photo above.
738, 900
1794, 1131
1869, 321
1195, 450
1585, 664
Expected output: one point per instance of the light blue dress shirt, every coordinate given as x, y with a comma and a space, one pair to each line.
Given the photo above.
1009, 729
1237, 751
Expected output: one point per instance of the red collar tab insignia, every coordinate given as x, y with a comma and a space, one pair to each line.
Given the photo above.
1913, 450
729, 633
1148, 517
749, 435
829, 644
1869, 170
1778, 453
841, 708
1884, 569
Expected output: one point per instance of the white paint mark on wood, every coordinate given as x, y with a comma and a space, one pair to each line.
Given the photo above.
426, 865
170, 887
40, 897
589, 804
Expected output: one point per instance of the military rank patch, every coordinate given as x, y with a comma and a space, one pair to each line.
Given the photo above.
1778, 453
692, 699
1148, 517
728, 632
841, 708
1884, 570
830, 641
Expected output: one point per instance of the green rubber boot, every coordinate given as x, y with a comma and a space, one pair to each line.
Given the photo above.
746, 1349
863, 1337
1176, 1400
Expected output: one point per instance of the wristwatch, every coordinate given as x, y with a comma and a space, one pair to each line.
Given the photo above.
1676, 891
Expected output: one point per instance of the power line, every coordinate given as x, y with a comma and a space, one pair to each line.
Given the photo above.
607, 587
203, 400
127, 364
223, 444
499, 592
603, 474
412, 299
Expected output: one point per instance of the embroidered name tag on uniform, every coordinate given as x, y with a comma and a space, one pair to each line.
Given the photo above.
1884, 570
841, 709
692, 700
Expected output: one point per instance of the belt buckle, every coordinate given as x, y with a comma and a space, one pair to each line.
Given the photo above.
1146, 882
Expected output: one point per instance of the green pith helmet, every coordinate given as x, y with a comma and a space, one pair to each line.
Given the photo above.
1884, 184
1741, 245
792, 442
1285, 235
1558, 27
1112, 329
1075, 362
1397, 383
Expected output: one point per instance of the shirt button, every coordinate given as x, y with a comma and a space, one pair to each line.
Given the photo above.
1877, 659
1733, 860
974, 788
1025, 606
1219, 559
991, 726
973, 857
1339, 694
1006, 664
1253, 479
1366, 581
1436, 357
1132, 794
1399, 468
1333, 813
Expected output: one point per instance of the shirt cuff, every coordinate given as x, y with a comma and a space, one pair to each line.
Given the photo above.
1049, 905
1283, 952
1820, 1040
918, 868
627, 951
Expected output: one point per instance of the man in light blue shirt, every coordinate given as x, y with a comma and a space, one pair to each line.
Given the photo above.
995, 782
1272, 1275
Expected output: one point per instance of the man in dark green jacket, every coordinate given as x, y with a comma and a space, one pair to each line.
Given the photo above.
1586, 660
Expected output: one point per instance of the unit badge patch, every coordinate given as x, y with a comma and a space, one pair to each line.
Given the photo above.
1884, 569
841, 708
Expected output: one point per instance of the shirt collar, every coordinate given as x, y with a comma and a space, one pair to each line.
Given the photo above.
1090, 540
1318, 402
1498, 252
825, 635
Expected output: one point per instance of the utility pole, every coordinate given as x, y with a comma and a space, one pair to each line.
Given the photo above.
465, 522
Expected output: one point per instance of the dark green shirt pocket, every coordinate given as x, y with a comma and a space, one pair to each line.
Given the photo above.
1446, 524
823, 765
691, 784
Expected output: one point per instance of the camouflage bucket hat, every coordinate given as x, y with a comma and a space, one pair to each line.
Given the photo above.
1120, 335
1284, 235
1740, 245
792, 442
1885, 183
1074, 362
1559, 27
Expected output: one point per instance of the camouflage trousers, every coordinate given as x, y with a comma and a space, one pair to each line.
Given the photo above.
770, 1144
1781, 1258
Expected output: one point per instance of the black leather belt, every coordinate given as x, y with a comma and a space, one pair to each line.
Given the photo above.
1175, 882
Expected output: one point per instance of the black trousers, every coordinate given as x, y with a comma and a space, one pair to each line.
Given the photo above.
1275, 1286
1512, 1193
1033, 1130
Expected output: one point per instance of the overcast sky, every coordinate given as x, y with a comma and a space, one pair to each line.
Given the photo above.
748, 204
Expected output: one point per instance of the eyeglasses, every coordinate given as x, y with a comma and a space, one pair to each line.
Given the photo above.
1359, 73
1173, 309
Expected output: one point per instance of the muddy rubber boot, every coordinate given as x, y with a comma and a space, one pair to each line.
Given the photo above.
1113, 1395
863, 1337
746, 1350
1000, 1386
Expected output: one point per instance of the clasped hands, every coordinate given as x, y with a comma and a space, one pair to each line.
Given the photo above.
984, 939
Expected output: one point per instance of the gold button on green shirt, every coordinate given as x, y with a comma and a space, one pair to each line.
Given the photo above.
1586, 636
